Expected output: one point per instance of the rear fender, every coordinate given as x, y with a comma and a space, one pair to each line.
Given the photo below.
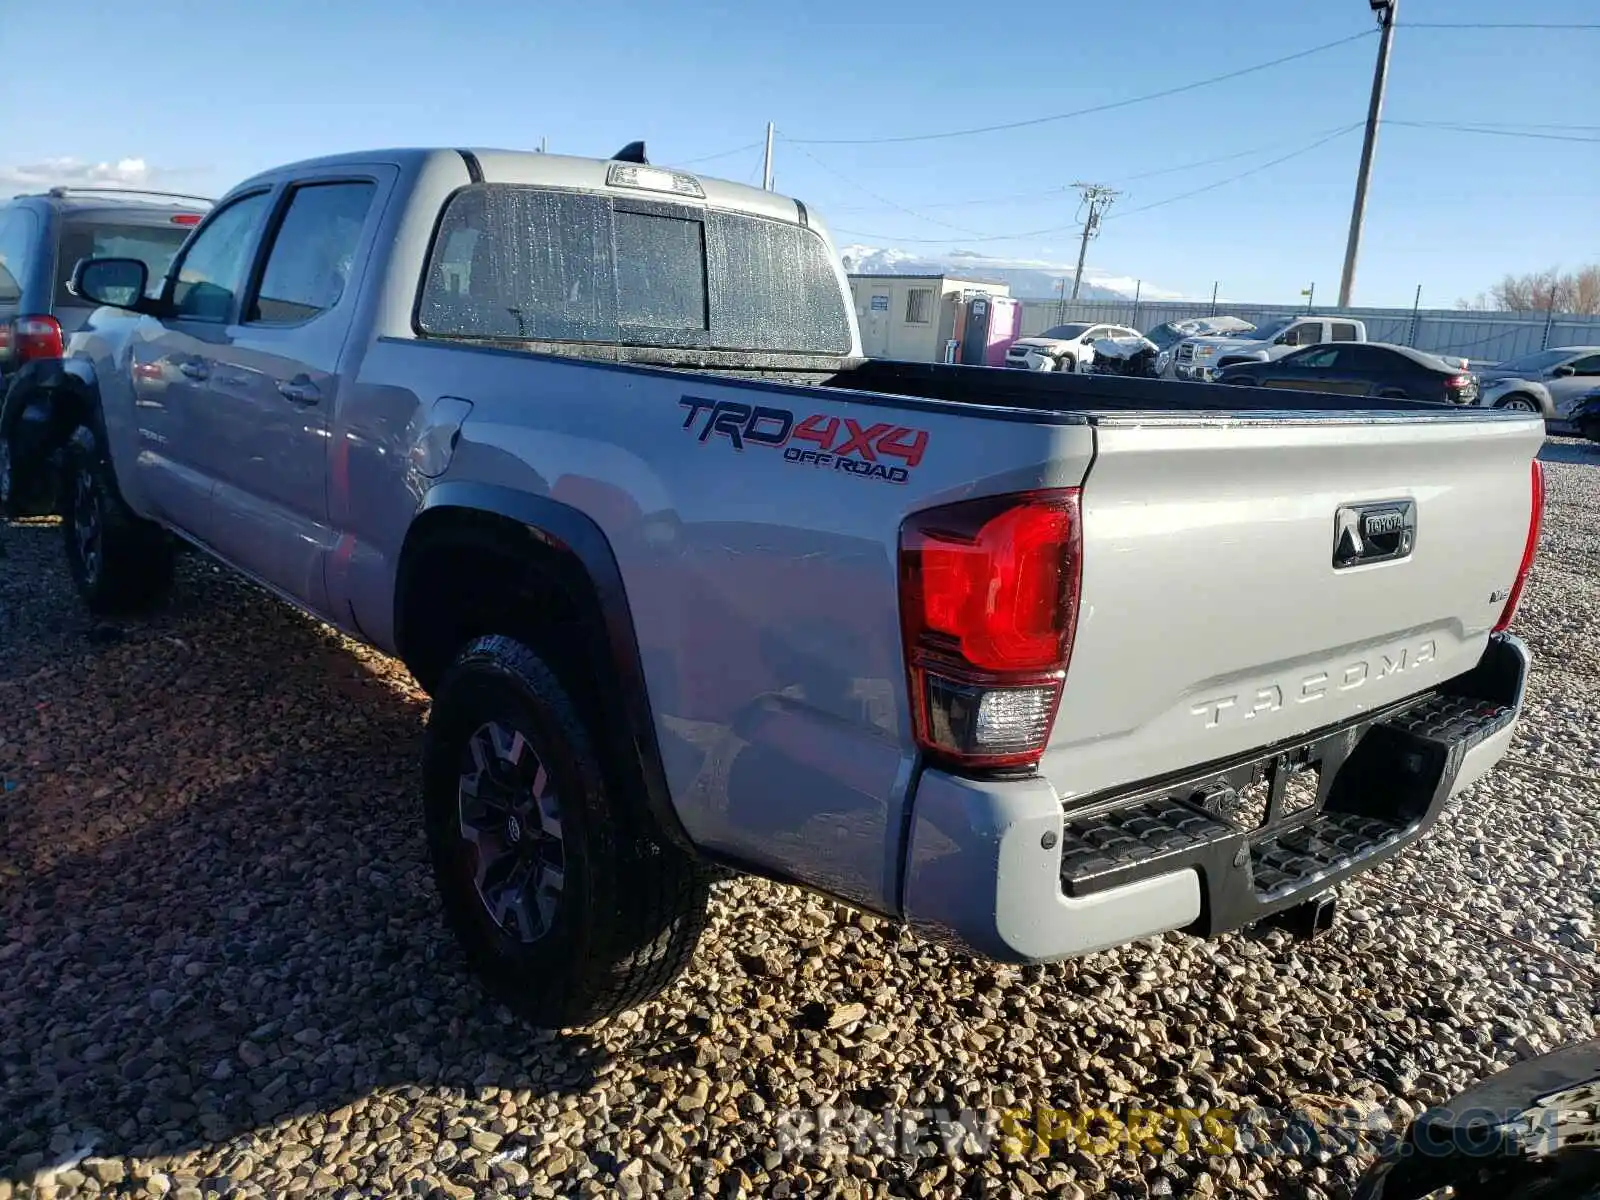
588, 572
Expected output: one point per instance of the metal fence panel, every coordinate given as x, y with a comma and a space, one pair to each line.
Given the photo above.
1481, 336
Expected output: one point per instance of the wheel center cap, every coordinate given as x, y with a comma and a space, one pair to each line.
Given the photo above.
513, 829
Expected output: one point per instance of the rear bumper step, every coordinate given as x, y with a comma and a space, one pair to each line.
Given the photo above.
1226, 845
1378, 784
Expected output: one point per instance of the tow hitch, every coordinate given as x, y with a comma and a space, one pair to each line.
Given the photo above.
1308, 918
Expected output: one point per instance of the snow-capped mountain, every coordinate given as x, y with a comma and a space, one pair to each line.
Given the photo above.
1029, 279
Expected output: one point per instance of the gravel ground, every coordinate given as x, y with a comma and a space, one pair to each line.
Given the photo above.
222, 970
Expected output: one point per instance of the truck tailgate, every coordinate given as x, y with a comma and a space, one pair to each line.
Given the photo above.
1214, 619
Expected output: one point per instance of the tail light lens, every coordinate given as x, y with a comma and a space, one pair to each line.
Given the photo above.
186, 219
28, 338
1530, 550
988, 605
1458, 382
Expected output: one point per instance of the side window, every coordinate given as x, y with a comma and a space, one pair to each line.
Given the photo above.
212, 272
310, 259
1589, 364
17, 230
1303, 335
919, 306
1343, 331
1317, 360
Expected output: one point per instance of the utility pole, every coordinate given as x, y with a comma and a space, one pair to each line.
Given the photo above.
1098, 197
1386, 11
766, 165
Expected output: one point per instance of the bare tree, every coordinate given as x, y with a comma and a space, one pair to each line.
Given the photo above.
1543, 291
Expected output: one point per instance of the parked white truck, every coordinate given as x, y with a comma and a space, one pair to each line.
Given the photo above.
1202, 358
1036, 663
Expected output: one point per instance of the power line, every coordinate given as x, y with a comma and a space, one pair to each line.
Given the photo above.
1211, 187
1006, 237
687, 162
866, 191
1491, 132
1083, 112
1494, 25
1063, 189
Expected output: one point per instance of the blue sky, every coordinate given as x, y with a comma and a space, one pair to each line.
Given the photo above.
193, 95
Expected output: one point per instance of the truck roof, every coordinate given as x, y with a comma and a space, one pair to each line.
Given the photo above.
558, 170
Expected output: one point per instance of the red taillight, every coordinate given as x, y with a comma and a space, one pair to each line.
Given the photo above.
186, 219
1530, 550
1458, 382
28, 338
988, 608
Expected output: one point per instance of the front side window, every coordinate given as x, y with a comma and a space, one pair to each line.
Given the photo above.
525, 263
213, 270
1588, 365
1303, 335
311, 256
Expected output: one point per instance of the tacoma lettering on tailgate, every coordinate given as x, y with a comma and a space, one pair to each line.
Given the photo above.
1269, 698
834, 443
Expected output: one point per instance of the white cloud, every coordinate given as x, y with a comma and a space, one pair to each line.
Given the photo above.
59, 172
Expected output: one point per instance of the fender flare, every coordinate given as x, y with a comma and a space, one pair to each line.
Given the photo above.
571, 534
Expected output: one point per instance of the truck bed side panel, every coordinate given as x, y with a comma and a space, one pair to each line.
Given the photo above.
762, 583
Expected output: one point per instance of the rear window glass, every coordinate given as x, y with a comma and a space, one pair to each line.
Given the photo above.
153, 245
528, 263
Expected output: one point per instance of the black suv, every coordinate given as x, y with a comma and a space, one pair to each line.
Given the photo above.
42, 237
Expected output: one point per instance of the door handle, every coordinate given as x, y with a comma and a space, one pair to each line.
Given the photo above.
194, 368
299, 391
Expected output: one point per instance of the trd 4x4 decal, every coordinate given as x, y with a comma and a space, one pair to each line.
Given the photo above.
875, 450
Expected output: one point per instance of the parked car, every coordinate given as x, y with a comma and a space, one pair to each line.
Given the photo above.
1586, 416
692, 583
1202, 358
41, 238
1548, 382
1361, 369
1062, 347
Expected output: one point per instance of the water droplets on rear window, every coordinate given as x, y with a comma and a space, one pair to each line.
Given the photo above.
524, 263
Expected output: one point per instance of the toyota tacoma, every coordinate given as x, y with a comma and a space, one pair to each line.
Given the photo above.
1036, 664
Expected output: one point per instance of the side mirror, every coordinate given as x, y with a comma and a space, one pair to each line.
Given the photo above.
1564, 371
119, 282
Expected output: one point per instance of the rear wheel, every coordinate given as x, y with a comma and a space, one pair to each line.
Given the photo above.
1518, 402
566, 905
119, 562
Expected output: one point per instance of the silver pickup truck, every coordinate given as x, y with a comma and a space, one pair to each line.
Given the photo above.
1035, 663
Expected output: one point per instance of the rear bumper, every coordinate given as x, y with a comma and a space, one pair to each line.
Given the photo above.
997, 867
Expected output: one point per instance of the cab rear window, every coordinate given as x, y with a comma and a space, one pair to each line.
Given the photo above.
523, 263
153, 245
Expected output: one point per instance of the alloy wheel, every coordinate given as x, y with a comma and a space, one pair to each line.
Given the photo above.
1519, 404
510, 819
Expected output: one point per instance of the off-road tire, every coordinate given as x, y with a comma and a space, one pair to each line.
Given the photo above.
631, 907
127, 567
